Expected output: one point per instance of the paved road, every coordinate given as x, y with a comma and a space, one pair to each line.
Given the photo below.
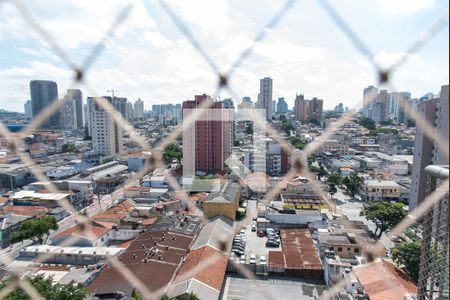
352, 209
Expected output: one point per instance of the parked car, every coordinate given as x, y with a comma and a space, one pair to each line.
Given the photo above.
262, 260
253, 228
272, 243
237, 251
242, 232
270, 230
237, 243
252, 259
254, 219
244, 204
242, 248
260, 233
242, 260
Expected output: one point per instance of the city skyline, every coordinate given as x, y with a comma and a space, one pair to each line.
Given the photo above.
298, 61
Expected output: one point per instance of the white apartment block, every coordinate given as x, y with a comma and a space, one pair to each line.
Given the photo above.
107, 137
390, 163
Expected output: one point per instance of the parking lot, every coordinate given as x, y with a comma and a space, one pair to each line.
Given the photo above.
254, 244
279, 288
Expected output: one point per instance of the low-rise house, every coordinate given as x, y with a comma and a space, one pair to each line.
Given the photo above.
88, 235
390, 163
69, 255
207, 283
383, 280
51, 200
8, 224
381, 190
224, 202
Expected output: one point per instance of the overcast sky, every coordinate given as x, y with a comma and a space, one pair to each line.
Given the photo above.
150, 59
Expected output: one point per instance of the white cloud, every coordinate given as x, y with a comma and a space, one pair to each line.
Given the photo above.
396, 7
155, 63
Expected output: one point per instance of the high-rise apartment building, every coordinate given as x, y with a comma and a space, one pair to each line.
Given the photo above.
282, 106
369, 94
274, 107
308, 110
301, 108
315, 110
107, 136
265, 96
28, 109
43, 93
426, 151
87, 120
206, 142
139, 109
68, 114
77, 96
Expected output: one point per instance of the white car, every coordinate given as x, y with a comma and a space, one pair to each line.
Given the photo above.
242, 232
252, 259
242, 260
262, 260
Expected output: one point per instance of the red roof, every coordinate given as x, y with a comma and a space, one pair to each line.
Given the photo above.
382, 280
90, 229
149, 221
38, 211
119, 211
213, 274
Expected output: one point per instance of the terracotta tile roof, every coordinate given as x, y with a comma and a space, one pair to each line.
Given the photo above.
109, 225
38, 211
382, 280
138, 188
119, 211
125, 244
96, 229
212, 275
200, 196
154, 268
149, 221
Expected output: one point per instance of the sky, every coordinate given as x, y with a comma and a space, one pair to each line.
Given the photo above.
149, 58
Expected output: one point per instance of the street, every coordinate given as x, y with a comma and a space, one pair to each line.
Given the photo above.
352, 208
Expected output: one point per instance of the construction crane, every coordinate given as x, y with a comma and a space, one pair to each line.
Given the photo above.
113, 90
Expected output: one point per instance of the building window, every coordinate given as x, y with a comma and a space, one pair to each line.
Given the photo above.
339, 249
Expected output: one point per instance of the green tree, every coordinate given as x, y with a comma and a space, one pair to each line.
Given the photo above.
48, 290
136, 295
321, 172
334, 178
352, 183
408, 256
287, 126
193, 296
387, 122
332, 190
37, 229
297, 143
367, 123
68, 148
172, 151
384, 214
